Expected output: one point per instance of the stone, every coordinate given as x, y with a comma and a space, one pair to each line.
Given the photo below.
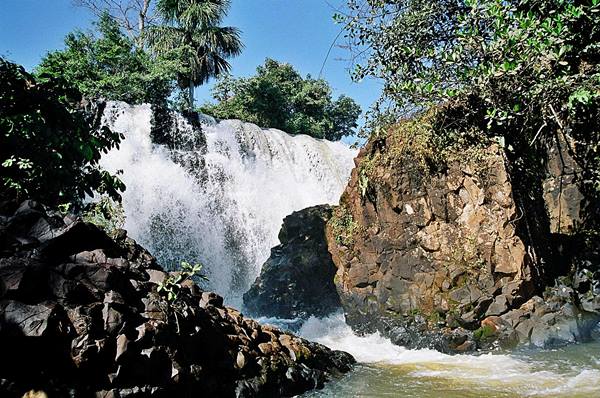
122, 345
431, 243
240, 360
36, 320
211, 299
297, 279
80, 304
157, 277
498, 307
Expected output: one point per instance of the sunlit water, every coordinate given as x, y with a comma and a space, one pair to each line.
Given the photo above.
386, 370
230, 220
230, 217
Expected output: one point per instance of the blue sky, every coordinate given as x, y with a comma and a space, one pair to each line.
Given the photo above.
296, 31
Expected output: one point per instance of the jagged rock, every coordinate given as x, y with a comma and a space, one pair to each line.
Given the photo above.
297, 280
81, 315
563, 198
437, 244
37, 320
423, 248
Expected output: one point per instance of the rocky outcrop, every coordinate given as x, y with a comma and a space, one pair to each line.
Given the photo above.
441, 246
562, 196
297, 280
82, 314
437, 254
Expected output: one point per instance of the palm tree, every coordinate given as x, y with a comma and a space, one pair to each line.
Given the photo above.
191, 28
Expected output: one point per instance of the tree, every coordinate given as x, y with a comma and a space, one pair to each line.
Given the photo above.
50, 143
134, 16
278, 97
523, 71
192, 27
110, 66
517, 58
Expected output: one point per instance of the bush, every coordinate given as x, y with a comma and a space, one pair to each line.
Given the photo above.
278, 97
49, 144
106, 214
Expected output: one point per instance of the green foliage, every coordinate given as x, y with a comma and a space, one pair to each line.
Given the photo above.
109, 65
278, 97
484, 332
521, 70
106, 214
343, 226
173, 284
192, 29
50, 145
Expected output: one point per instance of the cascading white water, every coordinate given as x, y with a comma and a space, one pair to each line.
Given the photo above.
228, 214
388, 370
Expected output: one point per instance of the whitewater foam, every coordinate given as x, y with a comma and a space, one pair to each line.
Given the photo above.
228, 214
515, 374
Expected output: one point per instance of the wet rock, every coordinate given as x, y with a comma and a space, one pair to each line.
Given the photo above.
297, 279
81, 313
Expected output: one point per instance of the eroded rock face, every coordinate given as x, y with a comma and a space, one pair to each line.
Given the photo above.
441, 245
81, 315
562, 195
297, 280
446, 258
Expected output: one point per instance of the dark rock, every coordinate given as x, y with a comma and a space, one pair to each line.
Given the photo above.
75, 238
211, 299
31, 320
81, 315
297, 280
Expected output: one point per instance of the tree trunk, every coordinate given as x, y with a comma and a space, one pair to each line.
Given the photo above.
143, 15
191, 95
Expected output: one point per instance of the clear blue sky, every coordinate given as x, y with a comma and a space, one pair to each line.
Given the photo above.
296, 31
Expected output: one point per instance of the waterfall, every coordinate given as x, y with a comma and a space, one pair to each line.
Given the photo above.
221, 204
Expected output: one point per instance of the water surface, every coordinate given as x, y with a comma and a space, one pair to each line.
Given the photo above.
386, 370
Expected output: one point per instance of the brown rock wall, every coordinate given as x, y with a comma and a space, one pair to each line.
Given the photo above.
441, 244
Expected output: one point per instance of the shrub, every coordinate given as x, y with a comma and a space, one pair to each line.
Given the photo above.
50, 144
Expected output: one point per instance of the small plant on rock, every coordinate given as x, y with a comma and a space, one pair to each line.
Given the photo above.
107, 214
173, 284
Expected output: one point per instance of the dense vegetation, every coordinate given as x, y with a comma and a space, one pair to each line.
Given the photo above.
520, 70
173, 44
109, 65
50, 144
278, 97
192, 29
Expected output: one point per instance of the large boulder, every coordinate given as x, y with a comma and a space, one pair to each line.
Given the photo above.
427, 250
297, 279
82, 314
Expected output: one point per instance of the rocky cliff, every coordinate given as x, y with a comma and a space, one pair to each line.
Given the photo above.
81, 314
440, 253
297, 279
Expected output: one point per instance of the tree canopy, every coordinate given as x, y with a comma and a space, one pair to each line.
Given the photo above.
278, 97
192, 27
519, 71
109, 65
50, 143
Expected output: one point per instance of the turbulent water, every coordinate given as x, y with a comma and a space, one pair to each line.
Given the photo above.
228, 214
386, 370
228, 217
